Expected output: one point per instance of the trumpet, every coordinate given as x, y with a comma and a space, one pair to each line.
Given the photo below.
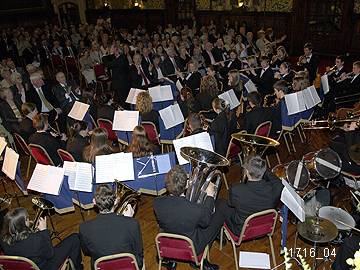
349, 75
331, 123
301, 60
331, 70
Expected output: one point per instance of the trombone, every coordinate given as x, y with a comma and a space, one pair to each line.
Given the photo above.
330, 123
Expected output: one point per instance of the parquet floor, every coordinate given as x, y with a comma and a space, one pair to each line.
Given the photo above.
69, 223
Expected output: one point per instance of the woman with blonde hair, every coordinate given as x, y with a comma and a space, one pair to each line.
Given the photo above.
18, 88
145, 107
99, 145
208, 91
140, 145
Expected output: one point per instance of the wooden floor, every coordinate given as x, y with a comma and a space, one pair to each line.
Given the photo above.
69, 223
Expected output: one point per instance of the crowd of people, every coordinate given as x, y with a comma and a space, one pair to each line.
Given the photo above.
37, 96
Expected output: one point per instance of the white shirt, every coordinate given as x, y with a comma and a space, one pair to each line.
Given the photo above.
160, 75
308, 58
263, 71
43, 107
172, 59
212, 59
354, 78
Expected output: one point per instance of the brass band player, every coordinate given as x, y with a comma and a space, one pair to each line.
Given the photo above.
309, 61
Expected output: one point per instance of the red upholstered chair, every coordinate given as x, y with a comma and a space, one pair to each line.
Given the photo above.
17, 263
122, 261
65, 156
71, 65
256, 225
179, 248
107, 124
102, 76
56, 61
151, 132
263, 129
21, 144
40, 155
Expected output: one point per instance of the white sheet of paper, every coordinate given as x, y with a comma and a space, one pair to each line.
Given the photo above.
314, 94
125, 120
325, 83
200, 140
104, 169
250, 86
230, 98
293, 201
131, 98
119, 166
172, 116
161, 93
254, 260
295, 103
179, 86
84, 177
46, 179
70, 172
311, 97
79, 110
3, 144
10, 163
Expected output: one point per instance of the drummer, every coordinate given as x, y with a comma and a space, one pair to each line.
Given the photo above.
349, 135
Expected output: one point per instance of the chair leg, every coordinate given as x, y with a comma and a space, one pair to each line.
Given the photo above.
225, 181
300, 135
272, 251
278, 158
160, 263
221, 237
292, 142
28, 167
287, 143
268, 161
235, 255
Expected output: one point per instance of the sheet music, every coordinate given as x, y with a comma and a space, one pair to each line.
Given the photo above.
250, 86
78, 110
46, 179
230, 98
172, 116
293, 201
179, 86
125, 120
254, 260
131, 98
200, 140
295, 103
10, 163
70, 172
119, 166
161, 93
325, 83
311, 97
84, 177
314, 94
3, 144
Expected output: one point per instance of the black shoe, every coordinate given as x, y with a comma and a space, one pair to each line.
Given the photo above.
170, 265
210, 266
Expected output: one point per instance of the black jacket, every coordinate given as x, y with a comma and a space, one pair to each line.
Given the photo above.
193, 81
255, 117
265, 82
66, 97
33, 97
11, 123
312, 67
75, 146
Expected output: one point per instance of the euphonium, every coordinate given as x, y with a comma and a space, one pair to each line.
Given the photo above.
254, 144
204, 169
125, 196
43, 205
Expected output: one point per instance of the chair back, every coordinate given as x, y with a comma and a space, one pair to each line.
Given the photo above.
234, 149
21, 144
258, 225
65, 156
177, 247
122, 261
99, 70
107, 124
40, 154
56, 60
263, 129
71, 65
16, 263
151, 132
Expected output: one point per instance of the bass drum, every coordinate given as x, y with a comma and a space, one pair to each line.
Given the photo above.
324, 164
294, 172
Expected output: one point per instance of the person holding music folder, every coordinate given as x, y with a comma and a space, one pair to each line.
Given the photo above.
49, 140
19, 239
78, 140
260, 192
111, 233
176, 214
99, 145
140, 145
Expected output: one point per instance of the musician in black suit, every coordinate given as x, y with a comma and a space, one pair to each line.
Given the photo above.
351, 84
219, 52
18, 239
232, 64
66, 92
192, 78
139, 74
78, 140
263, 78
285, 73
43, 137
338, 71
257, 115
260, 192
280, 90
110, 233
176, 214
105, 108
309, 61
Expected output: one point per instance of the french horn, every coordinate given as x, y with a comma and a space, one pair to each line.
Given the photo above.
204, 169
125, 196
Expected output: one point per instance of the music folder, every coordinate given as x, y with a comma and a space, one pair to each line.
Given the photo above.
131, 98
179, 86
80, 175
230, 98
295, 103
325, 83
152, 165
311, 97
171, 116
293, 201
125, 120
10, 163
250, 86
78, 110
161, 93
200, 140
3, 144
46, 179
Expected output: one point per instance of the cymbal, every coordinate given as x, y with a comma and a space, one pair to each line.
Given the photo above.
316, 229
354, 153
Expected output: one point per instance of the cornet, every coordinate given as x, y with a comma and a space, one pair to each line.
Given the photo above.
301, 60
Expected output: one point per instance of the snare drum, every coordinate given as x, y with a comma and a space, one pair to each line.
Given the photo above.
324, 163
294, 172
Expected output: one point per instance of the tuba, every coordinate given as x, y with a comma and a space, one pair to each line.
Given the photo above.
125, 196
254, 144
43, 206
204, 169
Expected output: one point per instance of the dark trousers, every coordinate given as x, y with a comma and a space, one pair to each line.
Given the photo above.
228, 213
69, 247
346, 250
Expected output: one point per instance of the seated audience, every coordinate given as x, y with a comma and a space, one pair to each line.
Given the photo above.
18, 88
19, 239
10, 110
145, 107
99, 145
78, 140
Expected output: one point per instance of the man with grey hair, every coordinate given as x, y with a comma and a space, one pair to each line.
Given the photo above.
260, 192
